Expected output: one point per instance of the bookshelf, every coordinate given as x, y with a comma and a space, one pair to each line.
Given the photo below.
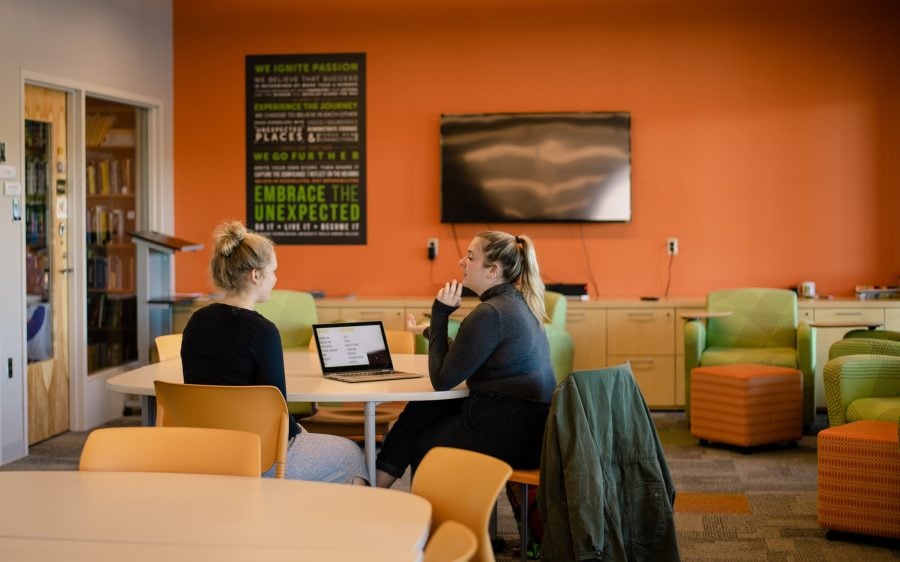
37, 191
112, 210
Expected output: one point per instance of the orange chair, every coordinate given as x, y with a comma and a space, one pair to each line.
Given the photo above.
168, 347
258, 409
172, 449
462, 486
451, 542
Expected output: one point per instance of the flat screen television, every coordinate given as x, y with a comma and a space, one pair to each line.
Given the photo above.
536, 167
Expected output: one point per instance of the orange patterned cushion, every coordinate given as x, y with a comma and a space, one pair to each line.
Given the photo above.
746, 404
859, 478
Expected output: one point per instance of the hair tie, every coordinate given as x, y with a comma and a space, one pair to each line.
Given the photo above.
518, 240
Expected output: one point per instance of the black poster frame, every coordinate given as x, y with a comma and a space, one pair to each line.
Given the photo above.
306, 148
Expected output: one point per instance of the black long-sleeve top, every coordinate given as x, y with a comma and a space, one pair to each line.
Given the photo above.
500, 348
227, 345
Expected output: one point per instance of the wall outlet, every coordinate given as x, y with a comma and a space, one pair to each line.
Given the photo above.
432, 248
672, 246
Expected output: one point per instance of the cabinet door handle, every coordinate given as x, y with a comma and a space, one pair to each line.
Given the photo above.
642, 316
643, 362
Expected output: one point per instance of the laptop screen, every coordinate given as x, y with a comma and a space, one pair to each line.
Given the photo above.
354, 346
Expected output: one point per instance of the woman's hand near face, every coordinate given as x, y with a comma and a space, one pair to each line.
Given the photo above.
451, 294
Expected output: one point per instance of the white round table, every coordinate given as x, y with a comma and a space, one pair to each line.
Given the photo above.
305, 383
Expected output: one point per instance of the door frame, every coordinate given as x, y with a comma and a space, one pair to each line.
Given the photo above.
90, 403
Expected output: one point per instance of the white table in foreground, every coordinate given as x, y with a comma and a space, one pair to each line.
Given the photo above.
203, 517
305, 383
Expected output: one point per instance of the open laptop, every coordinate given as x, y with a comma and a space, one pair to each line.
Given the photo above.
356, 352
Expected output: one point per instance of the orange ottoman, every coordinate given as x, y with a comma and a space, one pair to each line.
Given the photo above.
746, 405
859, 478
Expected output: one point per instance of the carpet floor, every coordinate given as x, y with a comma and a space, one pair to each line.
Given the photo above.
730, 504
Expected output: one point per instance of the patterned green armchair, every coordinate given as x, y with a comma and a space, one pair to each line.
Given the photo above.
862, 379
294, 313
562, 348
763, 329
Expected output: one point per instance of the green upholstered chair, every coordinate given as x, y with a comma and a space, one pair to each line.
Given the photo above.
873, 334
862, 380
294, 313
762, 329
562, 347
556, 307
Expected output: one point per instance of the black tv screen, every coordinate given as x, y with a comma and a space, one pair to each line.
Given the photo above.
536, 167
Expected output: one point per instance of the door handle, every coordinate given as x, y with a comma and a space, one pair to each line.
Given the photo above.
66, 270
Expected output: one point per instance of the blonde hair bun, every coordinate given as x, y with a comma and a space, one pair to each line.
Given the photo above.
228, 236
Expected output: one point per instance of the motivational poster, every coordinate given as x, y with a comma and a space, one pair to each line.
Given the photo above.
306, 141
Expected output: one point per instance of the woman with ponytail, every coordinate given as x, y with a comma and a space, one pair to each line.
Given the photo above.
500, 351
229, 343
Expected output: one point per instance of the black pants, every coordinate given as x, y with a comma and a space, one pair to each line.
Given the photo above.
507, 428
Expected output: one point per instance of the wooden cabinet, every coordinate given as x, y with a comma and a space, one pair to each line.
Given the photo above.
587, 326
650, 335
892, 319
645, 337
391, 313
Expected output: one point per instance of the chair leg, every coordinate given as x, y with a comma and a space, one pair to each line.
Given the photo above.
523, 527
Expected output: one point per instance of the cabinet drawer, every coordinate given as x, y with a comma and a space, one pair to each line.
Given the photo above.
892, 319
655, 377
640, 332
328, 315
850, 315
588, 331
391, 317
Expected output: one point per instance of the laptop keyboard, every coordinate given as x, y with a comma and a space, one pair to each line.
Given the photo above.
364, 376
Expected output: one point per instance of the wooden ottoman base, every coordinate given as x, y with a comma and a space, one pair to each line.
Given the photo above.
859, 478
746, 405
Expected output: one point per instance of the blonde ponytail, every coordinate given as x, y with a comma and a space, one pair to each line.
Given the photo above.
517, 256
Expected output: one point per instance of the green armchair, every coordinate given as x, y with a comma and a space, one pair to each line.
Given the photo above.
763, 328
562, 348
294, 313
862, 379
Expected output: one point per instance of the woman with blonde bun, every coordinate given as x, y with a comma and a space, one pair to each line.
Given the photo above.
229, 343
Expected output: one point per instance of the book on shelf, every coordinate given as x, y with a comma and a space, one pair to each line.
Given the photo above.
104, 177
114, 177
126, 177
91, 179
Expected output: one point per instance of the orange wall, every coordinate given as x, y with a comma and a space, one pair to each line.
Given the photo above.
767, 139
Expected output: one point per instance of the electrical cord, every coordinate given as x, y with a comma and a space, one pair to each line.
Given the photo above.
669, 275
587, 259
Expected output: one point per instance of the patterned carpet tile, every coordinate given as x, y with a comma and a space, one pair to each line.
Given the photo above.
700, 502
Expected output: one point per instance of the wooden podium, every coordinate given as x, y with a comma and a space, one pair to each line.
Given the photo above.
155, 292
